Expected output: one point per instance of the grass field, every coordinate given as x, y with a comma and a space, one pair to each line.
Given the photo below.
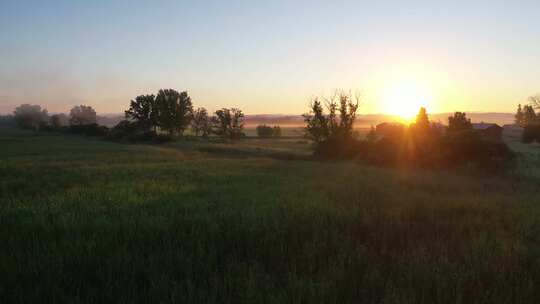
89, 221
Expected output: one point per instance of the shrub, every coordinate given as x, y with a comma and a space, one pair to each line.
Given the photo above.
134, 132
264, 131
339, 148
122, 130
276, 131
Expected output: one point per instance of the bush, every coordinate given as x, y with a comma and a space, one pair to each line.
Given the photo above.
122, 130
134, 132
265, 131
468, 146
420, 145
452, 149
337, 148
276, 131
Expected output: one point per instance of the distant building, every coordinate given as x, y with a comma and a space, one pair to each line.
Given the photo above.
489, 130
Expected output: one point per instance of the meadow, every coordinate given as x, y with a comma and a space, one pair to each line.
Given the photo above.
89, 221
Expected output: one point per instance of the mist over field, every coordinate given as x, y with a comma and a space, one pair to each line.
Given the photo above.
233, 152
363, 120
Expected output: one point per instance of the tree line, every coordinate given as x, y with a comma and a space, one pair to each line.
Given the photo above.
171, 113
33, 117
160, 117
527, 118
330, 125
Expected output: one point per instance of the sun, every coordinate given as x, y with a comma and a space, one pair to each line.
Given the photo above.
404, 99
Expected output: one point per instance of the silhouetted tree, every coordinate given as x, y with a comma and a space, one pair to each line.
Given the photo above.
174, 110
228, 123
519, 117
30, 116
535, 101
264, 131
82, 115
424, 138
531, 121
143, 111
372, 136
333, 133
317, 128
276, 132
347, 115
422, 119
59, 120
201, 123
459, 122
421, 132
529, 116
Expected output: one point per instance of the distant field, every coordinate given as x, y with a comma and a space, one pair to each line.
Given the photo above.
251, 131
88, 221
285, 131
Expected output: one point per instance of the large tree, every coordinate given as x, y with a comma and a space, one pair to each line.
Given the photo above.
529, 116
337, 124
459, 122
30, 116
201, 123
347, 114
422, 119
535, 101
519, 117
143, 111
82, 115
316, 122
59, 120
174, 110
228, 123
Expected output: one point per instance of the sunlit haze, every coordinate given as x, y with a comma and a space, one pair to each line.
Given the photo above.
271, 56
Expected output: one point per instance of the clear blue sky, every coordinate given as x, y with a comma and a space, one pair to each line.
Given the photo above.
269, 56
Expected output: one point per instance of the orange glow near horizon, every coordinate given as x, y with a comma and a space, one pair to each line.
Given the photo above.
405, 98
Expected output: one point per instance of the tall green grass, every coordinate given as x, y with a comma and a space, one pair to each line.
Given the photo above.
87, 221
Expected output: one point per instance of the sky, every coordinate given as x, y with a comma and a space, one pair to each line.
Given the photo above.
271, 57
